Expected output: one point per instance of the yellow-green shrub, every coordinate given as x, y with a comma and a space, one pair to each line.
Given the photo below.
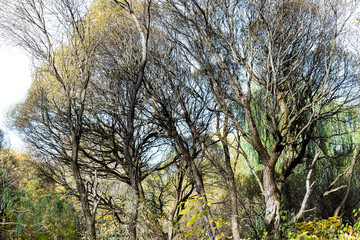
330, 228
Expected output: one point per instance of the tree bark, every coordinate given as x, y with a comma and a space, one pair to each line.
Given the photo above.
211, 227
308, 190
85, 205
348, 187
80, 186
130, 115
199, 185
134, 213
235, 228
231, 185
133, 174
272, 203
227, 173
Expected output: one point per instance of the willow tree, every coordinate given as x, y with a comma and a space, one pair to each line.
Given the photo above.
290, 53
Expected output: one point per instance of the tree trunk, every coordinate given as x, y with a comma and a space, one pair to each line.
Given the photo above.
211, 227
85, 205
231, 185
199, 185
134, 214
133, 182
228, 174
348, 186
170, 229
80, 186
235, 228
272, 203
171, 222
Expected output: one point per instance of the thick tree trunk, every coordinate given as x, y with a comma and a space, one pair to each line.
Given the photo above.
134, 213
272, 203
235, 228
133, 181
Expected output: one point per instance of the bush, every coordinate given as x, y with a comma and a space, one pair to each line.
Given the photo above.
32, 213
330, 228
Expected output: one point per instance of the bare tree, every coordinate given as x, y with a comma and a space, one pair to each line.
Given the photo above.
128, 127
85, 97
287, 52
198, 77
58, 37
170, 105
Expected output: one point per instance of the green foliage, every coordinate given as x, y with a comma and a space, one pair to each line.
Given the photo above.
197, 208
330, 228
108, 227
105, 50
33, 213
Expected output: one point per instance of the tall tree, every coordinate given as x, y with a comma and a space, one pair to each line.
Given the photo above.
131, 82
289, 53
58, 38
178, 113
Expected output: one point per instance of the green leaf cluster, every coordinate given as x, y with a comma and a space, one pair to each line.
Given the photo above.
33, 213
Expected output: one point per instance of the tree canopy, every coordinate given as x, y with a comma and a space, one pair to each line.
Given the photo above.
177, 119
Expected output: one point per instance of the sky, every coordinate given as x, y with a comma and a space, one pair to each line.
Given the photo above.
15, 80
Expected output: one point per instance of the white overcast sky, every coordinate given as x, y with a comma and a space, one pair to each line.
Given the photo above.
15, 80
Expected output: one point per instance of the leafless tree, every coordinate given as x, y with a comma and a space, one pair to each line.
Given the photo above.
197, 77
287, 52
58, 38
